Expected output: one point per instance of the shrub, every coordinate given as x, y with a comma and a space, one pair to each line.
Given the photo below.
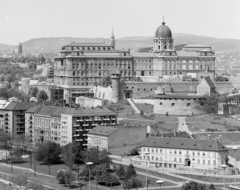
61, 176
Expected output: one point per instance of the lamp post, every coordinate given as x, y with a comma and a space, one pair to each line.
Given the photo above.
160, 182
42, 139
7, 151
89, 164
224, 167
146, 153
235, 150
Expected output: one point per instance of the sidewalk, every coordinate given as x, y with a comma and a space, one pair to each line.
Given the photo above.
183, 178
133, 105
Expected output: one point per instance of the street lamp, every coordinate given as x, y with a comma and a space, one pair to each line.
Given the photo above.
146, 153
235, 150
89, 164
224, 167
42, 139
160, 182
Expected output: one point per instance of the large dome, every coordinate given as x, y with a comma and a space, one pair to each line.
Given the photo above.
163, 31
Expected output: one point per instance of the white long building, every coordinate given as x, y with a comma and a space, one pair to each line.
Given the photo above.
165, 152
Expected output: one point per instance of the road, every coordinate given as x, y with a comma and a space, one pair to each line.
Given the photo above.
182, 126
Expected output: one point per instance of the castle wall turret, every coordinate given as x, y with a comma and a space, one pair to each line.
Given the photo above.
115, 86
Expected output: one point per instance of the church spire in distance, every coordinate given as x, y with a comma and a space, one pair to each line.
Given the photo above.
113, 39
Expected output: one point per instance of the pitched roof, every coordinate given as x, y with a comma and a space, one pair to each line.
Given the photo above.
19, 105
46, 110
197, 45
89, 111
189, 144
58, 111
102, 131
88, 45
34, 109
209, 82
175, 134
187, 54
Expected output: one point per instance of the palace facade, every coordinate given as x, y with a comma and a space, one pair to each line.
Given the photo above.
79, 66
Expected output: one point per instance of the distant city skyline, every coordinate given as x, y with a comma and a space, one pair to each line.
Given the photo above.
26, 19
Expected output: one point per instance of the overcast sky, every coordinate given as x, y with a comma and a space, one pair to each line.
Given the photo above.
22, 20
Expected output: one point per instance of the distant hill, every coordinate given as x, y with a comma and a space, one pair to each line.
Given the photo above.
4, 47
53, 45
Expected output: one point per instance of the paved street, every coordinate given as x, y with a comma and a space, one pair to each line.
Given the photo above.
182, 126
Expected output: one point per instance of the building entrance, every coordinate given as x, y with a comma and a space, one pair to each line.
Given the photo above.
187, 162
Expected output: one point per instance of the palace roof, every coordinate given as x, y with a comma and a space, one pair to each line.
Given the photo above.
189, 144
163, 31
88, 45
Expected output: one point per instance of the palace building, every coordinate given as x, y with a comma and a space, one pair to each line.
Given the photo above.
162, 59
80, 66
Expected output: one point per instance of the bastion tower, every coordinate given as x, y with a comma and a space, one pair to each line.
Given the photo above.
115, 76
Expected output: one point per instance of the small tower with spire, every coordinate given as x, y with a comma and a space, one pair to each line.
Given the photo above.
20, 48
113, 39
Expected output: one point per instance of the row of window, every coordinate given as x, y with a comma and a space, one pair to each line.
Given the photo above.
173, 104
97, 140
97, 73
180, 160
89, 48
42, 122
179, 152
188, 67
103, 63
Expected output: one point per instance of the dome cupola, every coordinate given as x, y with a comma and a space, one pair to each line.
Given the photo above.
163, 31
163, 38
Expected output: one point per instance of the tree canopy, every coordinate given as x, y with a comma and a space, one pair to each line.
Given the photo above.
42, 96
192, 185
97, 156
48, 153
33, 92
128, 177
72, 154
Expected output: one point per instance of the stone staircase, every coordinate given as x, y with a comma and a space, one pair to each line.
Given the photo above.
133, 105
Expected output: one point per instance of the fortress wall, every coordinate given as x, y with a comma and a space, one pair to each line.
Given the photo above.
223, 87
144, 101
104, 93
177, 107
89, 102
145, 89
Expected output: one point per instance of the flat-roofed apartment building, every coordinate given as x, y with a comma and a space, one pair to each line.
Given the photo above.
77, 122
12, 118
66, 125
